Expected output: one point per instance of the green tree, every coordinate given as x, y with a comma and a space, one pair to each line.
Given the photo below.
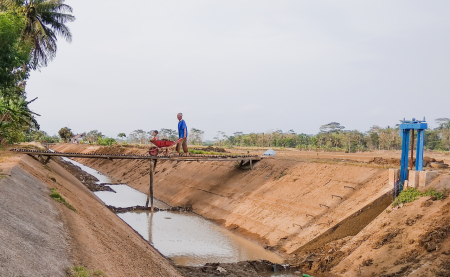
65, 133
168, 134
45, 20
15, 119
331, 127
195, 136
122, 136
14, 52
139, 136
94, 136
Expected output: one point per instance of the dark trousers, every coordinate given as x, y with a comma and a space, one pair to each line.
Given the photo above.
184, 144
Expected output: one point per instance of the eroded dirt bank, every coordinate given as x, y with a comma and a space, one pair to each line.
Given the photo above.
310, 211
95, 236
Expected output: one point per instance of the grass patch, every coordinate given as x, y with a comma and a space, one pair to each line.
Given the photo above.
435, 194
81, 271
410, 194
194, 151
58, 198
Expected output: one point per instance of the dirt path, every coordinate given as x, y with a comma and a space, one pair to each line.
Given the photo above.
95, 236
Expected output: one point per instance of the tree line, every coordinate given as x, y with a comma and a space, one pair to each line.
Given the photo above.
334, 137
139, 136
331, 137
28, 36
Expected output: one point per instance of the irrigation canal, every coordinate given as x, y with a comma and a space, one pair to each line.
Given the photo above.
184, 237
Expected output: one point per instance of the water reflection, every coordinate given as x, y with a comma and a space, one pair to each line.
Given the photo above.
189, 239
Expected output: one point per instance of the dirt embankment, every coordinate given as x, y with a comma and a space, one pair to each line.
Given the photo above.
310, 211
283, 204
93, 235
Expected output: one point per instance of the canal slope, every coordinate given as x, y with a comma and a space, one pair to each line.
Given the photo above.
282, 204
58, 237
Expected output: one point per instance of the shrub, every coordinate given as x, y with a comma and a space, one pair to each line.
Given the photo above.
107, 141
410, 194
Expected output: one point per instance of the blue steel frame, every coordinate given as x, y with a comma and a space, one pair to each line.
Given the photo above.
405, 128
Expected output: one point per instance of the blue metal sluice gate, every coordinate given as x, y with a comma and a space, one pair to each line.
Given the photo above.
405, 128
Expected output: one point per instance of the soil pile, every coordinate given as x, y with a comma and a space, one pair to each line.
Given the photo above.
213, 149
410, 241
240, 269
427, 162
383, 161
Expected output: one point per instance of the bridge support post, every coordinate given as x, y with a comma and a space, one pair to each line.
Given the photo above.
150, 191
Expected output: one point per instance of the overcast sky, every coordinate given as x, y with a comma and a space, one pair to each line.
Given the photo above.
248, 66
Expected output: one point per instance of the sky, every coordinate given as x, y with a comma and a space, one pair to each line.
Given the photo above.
246, 66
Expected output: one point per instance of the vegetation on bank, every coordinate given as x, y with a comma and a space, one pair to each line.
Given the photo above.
410, 194
58, 198
28, 36
81, 271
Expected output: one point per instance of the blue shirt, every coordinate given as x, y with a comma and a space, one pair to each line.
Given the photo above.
181, 127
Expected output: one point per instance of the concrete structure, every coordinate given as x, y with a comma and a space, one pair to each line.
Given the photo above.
413, 178
426, 177
394, 175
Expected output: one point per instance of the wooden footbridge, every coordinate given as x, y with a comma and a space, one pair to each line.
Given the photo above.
45, 156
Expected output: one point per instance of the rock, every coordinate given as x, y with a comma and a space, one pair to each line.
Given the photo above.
221, 269
438, 165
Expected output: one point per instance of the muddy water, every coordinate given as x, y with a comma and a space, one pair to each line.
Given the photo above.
126, 196
186, 238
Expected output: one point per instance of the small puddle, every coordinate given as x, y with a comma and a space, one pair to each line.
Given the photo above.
186, 238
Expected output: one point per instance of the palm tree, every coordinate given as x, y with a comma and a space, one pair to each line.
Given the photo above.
15, 115
45, 20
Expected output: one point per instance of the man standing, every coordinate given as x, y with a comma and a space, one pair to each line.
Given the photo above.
182, 133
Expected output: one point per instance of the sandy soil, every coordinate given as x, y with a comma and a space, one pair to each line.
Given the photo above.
96, 237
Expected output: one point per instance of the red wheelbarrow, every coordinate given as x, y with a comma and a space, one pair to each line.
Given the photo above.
153, 151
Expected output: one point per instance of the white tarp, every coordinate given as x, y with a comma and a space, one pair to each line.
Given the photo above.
269, 152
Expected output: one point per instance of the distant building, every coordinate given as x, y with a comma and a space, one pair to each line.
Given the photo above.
78, 138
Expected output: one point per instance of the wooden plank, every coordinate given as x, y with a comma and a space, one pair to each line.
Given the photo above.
136, 157
143, 157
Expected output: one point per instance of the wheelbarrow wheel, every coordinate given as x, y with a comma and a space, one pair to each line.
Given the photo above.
153, 151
